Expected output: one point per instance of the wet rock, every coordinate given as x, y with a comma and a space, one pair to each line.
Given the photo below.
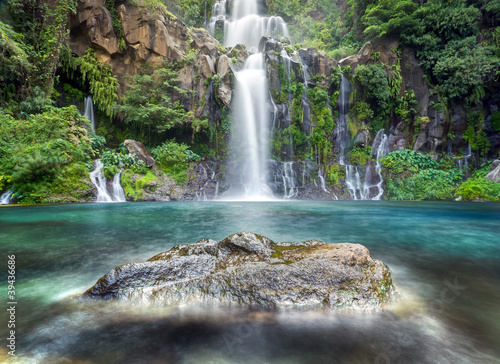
316, 62
413, 76
207, 66
494, 174
247, 269
138, 149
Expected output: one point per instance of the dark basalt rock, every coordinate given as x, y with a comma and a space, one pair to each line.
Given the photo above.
252, 270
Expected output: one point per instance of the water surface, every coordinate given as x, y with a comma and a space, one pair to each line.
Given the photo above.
445, 259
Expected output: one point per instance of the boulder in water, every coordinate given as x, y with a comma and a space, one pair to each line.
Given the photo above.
247, 269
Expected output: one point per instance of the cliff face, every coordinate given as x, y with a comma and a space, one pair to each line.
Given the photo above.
151, 39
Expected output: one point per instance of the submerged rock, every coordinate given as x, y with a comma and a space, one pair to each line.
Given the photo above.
250, 269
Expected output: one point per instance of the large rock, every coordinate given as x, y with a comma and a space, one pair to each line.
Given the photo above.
204, 43
317, 63
138, 149
148, 37
494, 174
384, 47
249, 269
92, 26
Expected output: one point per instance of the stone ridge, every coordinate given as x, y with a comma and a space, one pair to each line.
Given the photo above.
247, 269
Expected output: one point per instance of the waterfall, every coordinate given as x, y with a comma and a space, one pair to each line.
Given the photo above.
5, 198
245, 26
250, 130
360, 186
289, 181
89, 111
99, 181
118, 193
342, 135
381, 151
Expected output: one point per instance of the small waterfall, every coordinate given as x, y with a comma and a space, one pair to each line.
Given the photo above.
289, 181
382, 150
89, 111
322, 183
361, 188
118, 193
463, 163
5, 198
99, 181
342, 135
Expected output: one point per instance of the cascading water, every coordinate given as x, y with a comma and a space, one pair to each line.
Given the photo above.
342, 135
382, 150
250, 131
245, 26
99, 181
360, 187
118, 193
89, 111
5, 198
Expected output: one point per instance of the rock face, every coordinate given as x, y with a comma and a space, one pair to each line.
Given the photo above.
138, 149
494, 174
148, 38
251, 270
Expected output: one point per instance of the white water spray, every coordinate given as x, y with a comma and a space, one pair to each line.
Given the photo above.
5, 198
250, 131
89, 111
245, 25
99, 181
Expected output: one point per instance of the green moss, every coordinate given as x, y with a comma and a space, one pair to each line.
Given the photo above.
359, 156
280, 249
136, 190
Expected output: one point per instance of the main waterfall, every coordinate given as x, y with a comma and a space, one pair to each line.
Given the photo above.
248, 169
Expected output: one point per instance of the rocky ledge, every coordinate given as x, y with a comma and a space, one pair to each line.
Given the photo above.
251, 270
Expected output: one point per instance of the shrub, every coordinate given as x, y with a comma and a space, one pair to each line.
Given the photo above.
479, 188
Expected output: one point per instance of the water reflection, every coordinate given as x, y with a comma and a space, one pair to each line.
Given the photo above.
444, 259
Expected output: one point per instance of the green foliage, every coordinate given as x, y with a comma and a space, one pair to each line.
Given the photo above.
334, 173
103, 85
475, 133
98, 143
323, 120
14, 63
373, 81
117, 24
479, 188
444, 34
45, 155
400, 161
193, 16
45, 25
134, 183
361, 111
148, 108
495, 121
359, 155
414, 176
72, 93
312, 23
113, 160
173, 159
